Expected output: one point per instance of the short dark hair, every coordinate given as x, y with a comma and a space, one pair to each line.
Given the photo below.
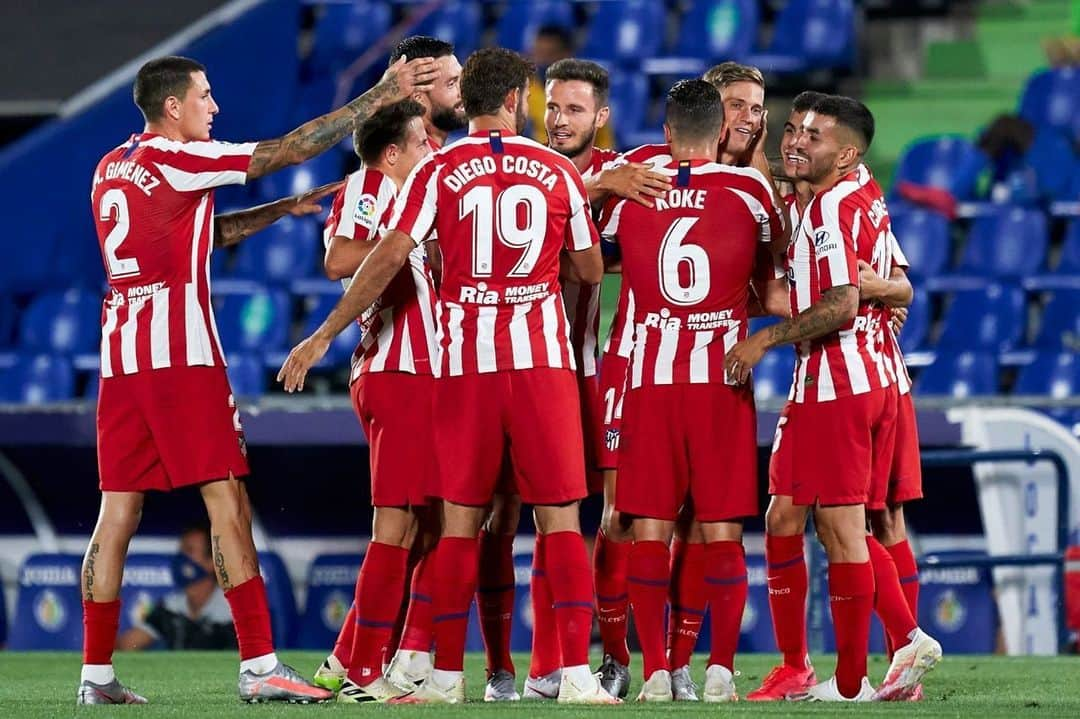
557, 32
585, 71
385, 127
694, 109
806, 99
489, 75
416, 46
850, 113
161, 78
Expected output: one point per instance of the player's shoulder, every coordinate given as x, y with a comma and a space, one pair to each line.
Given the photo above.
604, 155
749, 179
207, 149
655, 152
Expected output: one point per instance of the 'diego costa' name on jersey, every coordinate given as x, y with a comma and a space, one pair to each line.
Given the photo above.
476, 167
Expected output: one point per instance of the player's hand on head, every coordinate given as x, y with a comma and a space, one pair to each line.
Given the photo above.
757, 143
302, 358
897, 318
405, 77
307, 203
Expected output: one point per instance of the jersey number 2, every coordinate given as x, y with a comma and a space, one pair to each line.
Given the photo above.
518, 216
114, 199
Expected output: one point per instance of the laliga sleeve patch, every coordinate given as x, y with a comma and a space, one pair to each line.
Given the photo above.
364, 212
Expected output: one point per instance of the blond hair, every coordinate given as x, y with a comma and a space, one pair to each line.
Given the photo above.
728, 73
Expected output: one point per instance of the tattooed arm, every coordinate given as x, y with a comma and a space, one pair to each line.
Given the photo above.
400, 81
237, 226
836, 308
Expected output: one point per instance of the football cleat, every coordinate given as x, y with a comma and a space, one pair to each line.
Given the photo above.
409, 669
683, 688
112, 693
378, 690
657, 688
541, 688
719, 685
431, 693
330, 675
280, 684
500, 688
588, 693
782, 681
614, 677
910, 663
915, 694
828, 691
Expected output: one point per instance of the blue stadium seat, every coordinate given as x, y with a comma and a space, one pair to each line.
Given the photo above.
1044, 158
772, 376
457, 21
915, 332
286, 250
1069, 263
810, 34
1010, 242
67, 322
717, 29
518, 24
48, 607
629, 101
316, 308
1055, 375
924, 238
344, 31
625, 32
1060, 324
1052, 98
990, 319
947, 162
319, 170
147, 579
279, 596
247, 374
251, 318
37, 379
331, 587
966, 374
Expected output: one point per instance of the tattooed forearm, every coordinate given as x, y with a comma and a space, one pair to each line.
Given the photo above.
836, 306
219, 562
236, 226
88, 570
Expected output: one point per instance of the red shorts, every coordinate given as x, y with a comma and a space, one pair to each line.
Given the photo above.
612, 389
533, 414
394, 408
905, 481
592, 431
685, 441
782, 460
838, 447
168, 428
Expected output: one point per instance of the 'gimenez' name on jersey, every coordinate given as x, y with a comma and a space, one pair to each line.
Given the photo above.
689, 262
504, 208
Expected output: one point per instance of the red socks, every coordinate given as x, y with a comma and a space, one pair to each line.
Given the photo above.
570, 577
495, 598
251, 617
648, 581
546, 652
417, 634
908, 571
786, 572
100, 623
456, 560
725, 585
889, 601
343, 645
378, 601
688, 601
851, 597
610, 560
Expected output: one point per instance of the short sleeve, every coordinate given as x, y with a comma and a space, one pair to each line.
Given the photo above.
581, 234
834, 248
899, 259
200, 166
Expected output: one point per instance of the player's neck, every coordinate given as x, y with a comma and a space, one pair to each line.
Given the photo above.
391, 172
167, 131
437, 136
583, 159
693, 151
803, 194
485, 123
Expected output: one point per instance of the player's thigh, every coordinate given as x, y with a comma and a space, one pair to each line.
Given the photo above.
784, 518
653, 469
544, 427
906, 476
782, 458
469, 437
883, 439
128, 458
721, 428
395, 409
211, 444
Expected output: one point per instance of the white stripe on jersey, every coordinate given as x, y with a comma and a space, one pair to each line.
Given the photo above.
520, 343
626, 338
665, 357
457, 338
106, 348
128, 331
385, 340
212, 149
550, 315
856, 226
849, 348
405, 357
182, 181
830, 221
580, 236
797, 392
826, 390
637, 360
757, 210
159, 330
699, 357
198, 338
485, 338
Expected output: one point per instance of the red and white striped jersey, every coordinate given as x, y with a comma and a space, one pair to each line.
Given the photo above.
840, 226
504, 207
583, 301
895, 356
688, 262
620, 339
399, 327
153, 205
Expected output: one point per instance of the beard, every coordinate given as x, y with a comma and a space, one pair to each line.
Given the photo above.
449, 119
575, 150
521, 119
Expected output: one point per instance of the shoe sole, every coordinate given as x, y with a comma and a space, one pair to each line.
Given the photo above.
925, 662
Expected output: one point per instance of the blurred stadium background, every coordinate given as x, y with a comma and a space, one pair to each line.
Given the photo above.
978, 111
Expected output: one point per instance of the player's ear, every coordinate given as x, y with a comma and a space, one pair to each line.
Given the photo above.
172, 107
602, 116
512, 100
667, 134
391, 154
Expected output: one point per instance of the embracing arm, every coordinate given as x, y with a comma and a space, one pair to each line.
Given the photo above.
237, 226
893, 292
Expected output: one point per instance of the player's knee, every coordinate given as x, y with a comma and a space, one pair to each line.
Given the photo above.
887, 526
615, 526
784, 520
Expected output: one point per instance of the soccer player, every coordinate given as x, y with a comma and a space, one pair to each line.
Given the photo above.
688, 433
842, 387
390, 388
162, 365
443, 111
505, 210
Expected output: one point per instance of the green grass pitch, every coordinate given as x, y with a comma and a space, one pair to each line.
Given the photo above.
203, 685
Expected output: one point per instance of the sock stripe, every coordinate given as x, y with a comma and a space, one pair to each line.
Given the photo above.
786, 563
613, 597
451, 617
417, 596
909, 579
564, 605
649, 582
687, 610
539, 573
726, 580
374, 624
